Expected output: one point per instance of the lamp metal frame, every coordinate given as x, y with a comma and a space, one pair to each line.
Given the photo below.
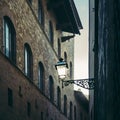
84, 83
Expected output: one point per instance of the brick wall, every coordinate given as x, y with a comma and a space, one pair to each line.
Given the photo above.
28, 30
14, 79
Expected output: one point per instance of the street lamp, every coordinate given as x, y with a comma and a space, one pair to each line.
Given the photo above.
62, 67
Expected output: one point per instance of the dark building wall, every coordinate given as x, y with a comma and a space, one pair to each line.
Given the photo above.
107, 84
23, 92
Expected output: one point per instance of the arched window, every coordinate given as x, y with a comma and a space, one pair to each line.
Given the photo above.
30, 1
75, 113
28, 61
41, 77
51, 35
40, 13
65, 56
58, 98
71, 116
9, 39
65, 105
59, 48
51, 88
71, 70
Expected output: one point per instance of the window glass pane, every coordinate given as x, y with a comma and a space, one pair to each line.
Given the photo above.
65, 105
65, 56
30, 2
70, 110
26, 61
59, 48
10, 97
28, 108
58, 98
70, 69
41, 76
9, 39
51, 88
39, 11
51, 35
7, 31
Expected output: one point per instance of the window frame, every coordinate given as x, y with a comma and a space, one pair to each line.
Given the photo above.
51, 88
51, 34
9, 39
71, 70
59, 48
28, 109
10, 97
28, 61
65, 56
58, 98
40, 13
41, 77
65, 105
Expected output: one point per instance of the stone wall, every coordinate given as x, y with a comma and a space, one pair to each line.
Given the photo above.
28, 30
23, 91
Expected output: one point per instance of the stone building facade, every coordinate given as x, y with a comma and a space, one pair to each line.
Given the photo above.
31, 34
107, 60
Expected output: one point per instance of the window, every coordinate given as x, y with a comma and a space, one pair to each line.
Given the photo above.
28, 109
70, 69
40, 13
81, 116
71, 111
41, 77
20, 91
51, 88
51, 35
65, 56
41, 116
58, 98
9, 39
30, 1
65, 105
28, 61
10, 97
59, 48
74, 112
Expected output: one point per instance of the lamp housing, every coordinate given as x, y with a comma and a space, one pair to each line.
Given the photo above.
61, 67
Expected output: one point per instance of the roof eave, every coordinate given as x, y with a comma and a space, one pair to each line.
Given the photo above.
67, 16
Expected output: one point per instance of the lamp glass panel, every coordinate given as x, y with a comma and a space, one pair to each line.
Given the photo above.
61, 71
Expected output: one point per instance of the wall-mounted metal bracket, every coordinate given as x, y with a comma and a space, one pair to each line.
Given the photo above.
84, 83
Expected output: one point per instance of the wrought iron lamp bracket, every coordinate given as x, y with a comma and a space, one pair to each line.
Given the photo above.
84, 83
